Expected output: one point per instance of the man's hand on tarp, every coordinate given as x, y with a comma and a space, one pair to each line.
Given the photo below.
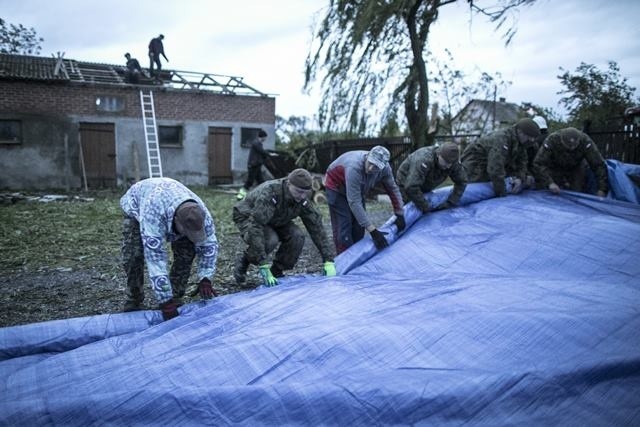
378, 238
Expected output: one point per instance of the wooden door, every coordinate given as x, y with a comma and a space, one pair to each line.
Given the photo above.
219, 153
98, 144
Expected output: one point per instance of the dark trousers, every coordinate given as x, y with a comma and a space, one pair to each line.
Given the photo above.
154, 58
253, 174
345, 227
132, 252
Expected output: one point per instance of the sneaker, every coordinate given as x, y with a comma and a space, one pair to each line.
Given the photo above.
241, 193
131, 305
240, 269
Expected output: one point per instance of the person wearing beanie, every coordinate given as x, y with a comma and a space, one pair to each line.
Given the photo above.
564, 159
158, 210
425, 169
347, 181
265, 221
257, 157
500, 154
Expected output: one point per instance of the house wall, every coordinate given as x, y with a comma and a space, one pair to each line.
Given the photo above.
51, 112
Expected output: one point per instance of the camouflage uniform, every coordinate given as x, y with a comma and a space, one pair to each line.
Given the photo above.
149, 207
567, 168
495, 156
420, 173
265, 218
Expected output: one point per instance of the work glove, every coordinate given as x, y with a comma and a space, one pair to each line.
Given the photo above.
329, 269
517, 186
553, 187
205, 289
399, 222
378, 238
267, 276
169, 309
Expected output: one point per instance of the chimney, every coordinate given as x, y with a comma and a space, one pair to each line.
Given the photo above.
502, 99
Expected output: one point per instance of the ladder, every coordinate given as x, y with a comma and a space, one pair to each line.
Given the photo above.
151, 134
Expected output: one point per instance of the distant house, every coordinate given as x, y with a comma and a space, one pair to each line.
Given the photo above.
480, 117
63, 121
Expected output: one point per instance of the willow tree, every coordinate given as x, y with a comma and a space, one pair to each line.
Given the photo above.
372, 55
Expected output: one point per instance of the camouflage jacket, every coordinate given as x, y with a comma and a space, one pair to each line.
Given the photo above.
554, 156
502, 154
271, 204
153, 202
420, 173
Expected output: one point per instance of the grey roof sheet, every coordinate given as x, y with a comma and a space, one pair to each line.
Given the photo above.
29, 67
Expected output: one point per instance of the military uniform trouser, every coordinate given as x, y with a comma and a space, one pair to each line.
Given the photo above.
133, 261
346, 229
574, 179
289, 237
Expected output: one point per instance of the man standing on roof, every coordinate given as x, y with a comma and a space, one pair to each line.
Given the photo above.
158, 210
425, 169
133, 69
501, 153
348, 180
265, 219
562, 162
156, 48
257, 156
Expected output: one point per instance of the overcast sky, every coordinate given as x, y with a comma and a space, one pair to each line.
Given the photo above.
266, 41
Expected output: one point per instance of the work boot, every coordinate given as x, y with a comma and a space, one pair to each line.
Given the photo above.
241, 193
131, 305
277, 271
240, 269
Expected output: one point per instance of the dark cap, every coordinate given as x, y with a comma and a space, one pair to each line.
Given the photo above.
262, 133
528, 127
449, 152
189, 220
300, 178
570, 137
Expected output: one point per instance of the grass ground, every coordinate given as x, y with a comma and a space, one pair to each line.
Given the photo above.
62, 259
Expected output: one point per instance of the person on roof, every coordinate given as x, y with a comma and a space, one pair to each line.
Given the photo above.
134, 70
425, 169
347, 181
158, 210
500, 154
265, 220
156, 48
257, 157
563, 159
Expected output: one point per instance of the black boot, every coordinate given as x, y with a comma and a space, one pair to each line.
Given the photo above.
240, 269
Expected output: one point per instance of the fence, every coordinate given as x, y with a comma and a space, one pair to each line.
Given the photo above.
623, 145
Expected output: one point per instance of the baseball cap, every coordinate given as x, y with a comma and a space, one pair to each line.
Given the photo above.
378, 156
189, 219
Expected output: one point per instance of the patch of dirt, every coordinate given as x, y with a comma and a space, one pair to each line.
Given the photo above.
29, 297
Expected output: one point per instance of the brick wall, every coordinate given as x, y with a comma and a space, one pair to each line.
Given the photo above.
22, 97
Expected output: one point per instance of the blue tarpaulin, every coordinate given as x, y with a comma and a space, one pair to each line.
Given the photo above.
516, 310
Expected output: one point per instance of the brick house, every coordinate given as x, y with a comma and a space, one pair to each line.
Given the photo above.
63, 121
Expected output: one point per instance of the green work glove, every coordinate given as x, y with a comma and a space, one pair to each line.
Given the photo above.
267, 276
329, 269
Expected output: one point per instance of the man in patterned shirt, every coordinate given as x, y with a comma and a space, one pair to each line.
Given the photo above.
159, 209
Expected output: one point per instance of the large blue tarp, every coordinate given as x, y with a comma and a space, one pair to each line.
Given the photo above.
516, 310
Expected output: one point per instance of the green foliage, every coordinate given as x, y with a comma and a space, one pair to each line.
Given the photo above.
18, 39
372, 58
594, 95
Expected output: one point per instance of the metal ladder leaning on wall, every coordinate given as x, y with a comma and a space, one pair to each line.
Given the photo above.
151, 134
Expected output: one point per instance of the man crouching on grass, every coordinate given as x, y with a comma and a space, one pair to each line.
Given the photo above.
159, 209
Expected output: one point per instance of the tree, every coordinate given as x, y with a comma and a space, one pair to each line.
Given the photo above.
594, 96
18, 39
372, 54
